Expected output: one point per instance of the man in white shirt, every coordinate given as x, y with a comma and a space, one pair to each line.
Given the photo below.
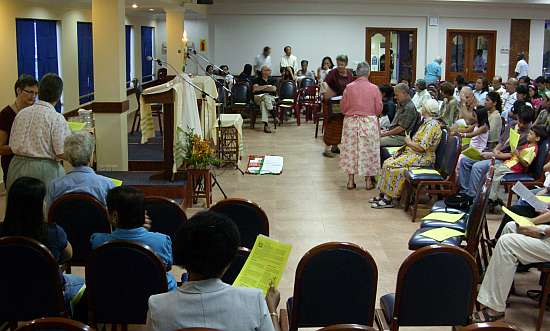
38, 135
510, 98
262, 59
522, 67
422, 95
496, 86
289, 60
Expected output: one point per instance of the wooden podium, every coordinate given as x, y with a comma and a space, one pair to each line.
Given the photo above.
164, 167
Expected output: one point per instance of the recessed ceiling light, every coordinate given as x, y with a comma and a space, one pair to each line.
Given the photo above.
134, 6
151, 9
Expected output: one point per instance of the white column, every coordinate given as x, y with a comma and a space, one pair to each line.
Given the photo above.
433, 48
536, 48
174, 44
110, 84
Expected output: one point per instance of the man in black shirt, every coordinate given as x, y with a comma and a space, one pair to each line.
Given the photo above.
265, 91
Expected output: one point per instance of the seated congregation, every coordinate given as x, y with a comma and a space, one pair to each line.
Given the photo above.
406, 143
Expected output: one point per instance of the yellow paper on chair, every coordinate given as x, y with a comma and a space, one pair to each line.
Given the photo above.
544, 198
265, 264
445, 217
520, 220
466, 141
117, 182
441, 234
76, 126
472, 154
514, 139
425, 172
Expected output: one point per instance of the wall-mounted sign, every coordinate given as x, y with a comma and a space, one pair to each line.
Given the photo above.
433, 20
504, 51
202, 45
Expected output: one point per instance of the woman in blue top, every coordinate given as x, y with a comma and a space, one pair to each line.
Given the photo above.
25, 217
127, 215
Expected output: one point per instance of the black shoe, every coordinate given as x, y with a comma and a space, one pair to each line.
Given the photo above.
335, 150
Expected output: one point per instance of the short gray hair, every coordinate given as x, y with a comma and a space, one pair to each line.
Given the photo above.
403, 88
79, 148
342, 58
363, 69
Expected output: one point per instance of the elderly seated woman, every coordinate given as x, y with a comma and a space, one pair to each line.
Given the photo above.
79, 149
418, 151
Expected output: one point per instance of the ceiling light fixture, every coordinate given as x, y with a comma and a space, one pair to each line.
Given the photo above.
151, 9
134, 6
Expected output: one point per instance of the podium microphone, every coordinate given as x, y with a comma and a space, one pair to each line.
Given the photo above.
150, 58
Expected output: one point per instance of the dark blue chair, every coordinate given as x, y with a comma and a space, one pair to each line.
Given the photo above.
442, 184
166, 215
335, 283
306, 81
80, 215
474, 224
241, 102
287, 99
30, 282
534, 176
436, 286
120, 278
54, 323
250, 218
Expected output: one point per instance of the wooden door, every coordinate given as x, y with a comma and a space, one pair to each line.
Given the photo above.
470, 54
378, 50
520, 33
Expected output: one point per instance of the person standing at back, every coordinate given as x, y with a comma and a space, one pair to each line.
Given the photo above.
263, 59
432, 74
522, 67
38, 136
289, 60
26, 90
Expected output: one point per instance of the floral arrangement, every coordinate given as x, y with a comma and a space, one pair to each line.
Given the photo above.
198, 153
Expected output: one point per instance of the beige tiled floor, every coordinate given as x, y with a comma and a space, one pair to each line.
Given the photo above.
309, 204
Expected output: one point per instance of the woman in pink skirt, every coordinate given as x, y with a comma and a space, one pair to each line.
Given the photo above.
360, 150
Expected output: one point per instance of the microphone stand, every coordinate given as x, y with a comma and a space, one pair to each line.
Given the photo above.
194, 52
204, 94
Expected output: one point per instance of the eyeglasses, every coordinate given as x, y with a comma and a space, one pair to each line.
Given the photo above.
30, 92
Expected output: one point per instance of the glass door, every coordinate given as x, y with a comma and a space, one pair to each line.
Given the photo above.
379, 55
470, 54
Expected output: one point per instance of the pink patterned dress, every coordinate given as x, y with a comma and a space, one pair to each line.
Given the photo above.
360, 149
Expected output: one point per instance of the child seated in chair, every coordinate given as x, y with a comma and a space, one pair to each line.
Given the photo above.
517, 161
127, 215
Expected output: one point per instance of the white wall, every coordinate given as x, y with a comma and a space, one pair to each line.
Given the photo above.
197, 29
238, 33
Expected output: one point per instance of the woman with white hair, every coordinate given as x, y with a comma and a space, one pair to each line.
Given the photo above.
79, 149
418, 151
361, 104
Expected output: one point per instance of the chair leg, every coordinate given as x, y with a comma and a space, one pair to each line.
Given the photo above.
543, 299
415, 203
298, 114
316, 128
509, 203
160, 124
138, 118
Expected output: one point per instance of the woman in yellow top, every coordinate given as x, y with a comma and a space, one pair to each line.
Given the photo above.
418, 151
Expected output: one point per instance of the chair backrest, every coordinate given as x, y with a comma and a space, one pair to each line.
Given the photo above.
341, 276
287, 90
441, 149
436, 286
54, 323
452, 154
120, 278
240, 93
80, 215
236, 265
537, 166
166, 215
250, 218
306, 81
30, 282
491, 326
347, 327
478, 211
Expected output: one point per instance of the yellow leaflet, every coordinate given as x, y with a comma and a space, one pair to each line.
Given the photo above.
76, 126
514, 139
265, 265
520, 220
441, 234
425, 172
472, 154
445, 217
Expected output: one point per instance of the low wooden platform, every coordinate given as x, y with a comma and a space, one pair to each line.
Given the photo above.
141, 180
